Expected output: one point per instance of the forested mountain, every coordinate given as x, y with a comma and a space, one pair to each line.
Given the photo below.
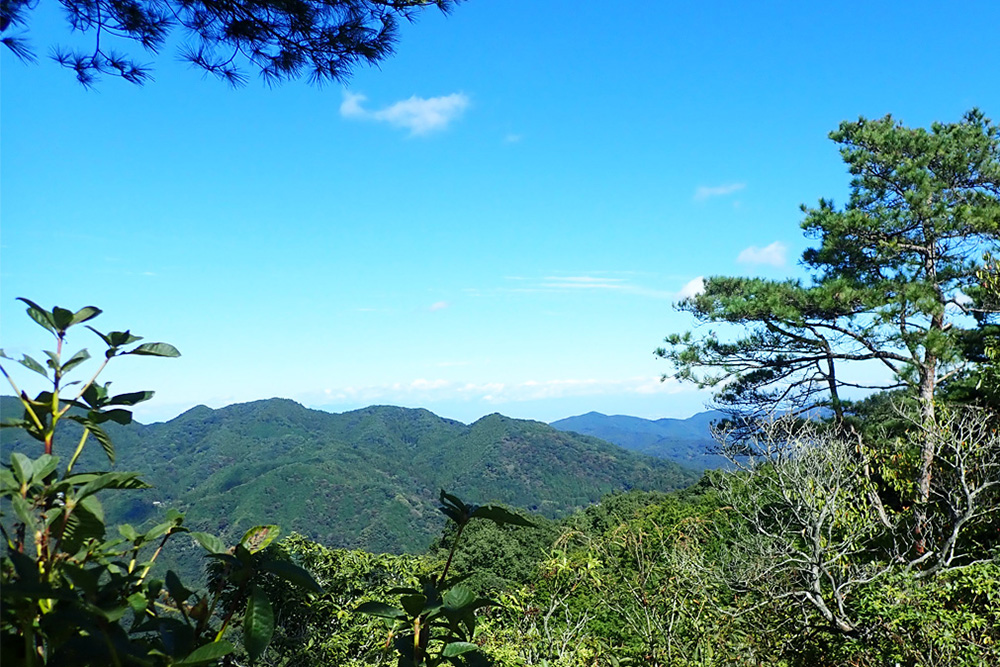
363, 479
686, 441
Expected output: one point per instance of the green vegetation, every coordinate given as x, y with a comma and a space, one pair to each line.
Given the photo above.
339, 476
322, 40
889, 275
74, 595
868, 535
436, 623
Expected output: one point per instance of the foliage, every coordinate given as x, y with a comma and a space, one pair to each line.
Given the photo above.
72, 593
808, 532
497, 557
325, 629
982, 384
437, 622
950, 620
788, 560
889, 274
338, 476
320, 39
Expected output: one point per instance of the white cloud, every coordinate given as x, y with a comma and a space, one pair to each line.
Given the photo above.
585, 283
512, 138
350, 107
704, 192
772, 255
962, 299
424, 390
692, 288
423, 385
419, 115
439, 305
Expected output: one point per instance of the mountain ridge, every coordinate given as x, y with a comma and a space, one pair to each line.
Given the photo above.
366, 478
688, 442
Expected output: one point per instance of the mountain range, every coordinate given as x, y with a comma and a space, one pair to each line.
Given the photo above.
688, 442
363, 479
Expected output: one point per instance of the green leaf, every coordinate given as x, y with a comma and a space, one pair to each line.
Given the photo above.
172, 526
9, 484
123, 417
177, 590
381, 610
454, 501
22, 467
24, 512
128, 532
75, 361
138, 602
106, 339
112, 480
102, 438
413, 604
39, 314
258, 624
53, 361
458, 597
43, 467
156, 350
207, 653
455, 649
62, 319
96, 395
84, 314
92, 505
113, 614
210, 543
30, 363
501, 516
131, 398
84, 523
293, 574
258, 537
120, 338
242, 554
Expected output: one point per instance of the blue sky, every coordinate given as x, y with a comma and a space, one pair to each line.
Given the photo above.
497, 219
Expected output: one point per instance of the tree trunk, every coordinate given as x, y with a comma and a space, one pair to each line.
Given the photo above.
928, 376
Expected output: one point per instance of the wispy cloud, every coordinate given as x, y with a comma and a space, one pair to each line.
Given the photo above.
432, 390
581, 283
512, 138
584, 282
772, 255
438, 305
419, 115
704, 192
692, 288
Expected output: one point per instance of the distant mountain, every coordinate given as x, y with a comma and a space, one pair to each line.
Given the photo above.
363, 479
685, 441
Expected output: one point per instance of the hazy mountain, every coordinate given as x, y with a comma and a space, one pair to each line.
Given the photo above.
686, 441
367, 479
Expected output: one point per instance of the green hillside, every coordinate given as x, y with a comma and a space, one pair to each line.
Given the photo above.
364, 479
688, 442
